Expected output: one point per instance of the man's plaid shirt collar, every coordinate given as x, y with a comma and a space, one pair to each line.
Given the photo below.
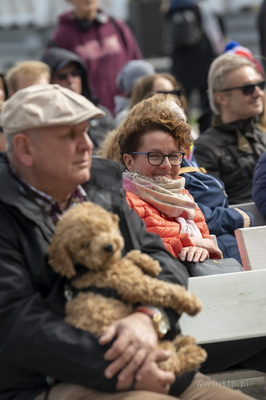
46, 202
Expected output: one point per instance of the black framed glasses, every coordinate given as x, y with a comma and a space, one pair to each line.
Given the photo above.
155, 158
247, 90
176, 92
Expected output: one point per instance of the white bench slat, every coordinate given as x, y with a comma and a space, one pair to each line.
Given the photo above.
234, 307
252, 247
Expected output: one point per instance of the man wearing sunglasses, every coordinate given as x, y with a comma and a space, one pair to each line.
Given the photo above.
230, 148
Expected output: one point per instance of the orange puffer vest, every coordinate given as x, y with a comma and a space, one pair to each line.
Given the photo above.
166, 227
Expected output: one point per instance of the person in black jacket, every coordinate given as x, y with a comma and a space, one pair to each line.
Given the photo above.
3, 96
70, 71
262, 31
230, 148
49, 156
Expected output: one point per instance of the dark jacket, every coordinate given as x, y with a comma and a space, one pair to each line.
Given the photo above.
210, 195
105, 44
35, 342
262, 31
54, 57
230, 153
259, 185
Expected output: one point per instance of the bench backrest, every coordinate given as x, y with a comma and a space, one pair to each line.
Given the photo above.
252, 247
234, 307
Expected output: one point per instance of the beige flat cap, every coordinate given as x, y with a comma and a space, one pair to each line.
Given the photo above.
45, 105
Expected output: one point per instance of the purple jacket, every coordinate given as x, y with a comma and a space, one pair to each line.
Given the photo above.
105, 44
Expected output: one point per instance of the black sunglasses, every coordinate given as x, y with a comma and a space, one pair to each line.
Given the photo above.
176, 92
246, 89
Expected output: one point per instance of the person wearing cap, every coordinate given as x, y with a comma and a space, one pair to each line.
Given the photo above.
125, 81
46, 170
230, 148
70, 71
103, 42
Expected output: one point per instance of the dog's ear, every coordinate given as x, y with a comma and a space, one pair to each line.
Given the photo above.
60, 259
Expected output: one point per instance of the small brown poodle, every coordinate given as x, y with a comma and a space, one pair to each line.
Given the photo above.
89, 236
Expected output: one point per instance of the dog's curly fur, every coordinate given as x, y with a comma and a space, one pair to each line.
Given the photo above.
89, 235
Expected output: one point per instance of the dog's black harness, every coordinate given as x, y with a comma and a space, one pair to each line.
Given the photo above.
71, 291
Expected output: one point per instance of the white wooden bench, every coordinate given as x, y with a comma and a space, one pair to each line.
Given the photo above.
227, 300
252, 247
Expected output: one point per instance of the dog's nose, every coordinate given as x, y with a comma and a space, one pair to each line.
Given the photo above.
109, 248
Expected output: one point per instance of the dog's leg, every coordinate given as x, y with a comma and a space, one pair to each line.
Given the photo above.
144, 262
185, 358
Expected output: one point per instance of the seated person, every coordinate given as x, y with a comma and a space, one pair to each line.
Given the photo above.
26, 73
3, 87
208, 191
231, 147
23, 74
70, 71
231, 47
3, 96
155, 118
125, 81
157, 83
154, 128
46, 170
259, 185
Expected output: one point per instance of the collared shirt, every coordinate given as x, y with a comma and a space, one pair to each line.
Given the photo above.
47, 202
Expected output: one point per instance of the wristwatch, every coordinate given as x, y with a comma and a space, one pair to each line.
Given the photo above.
159, 319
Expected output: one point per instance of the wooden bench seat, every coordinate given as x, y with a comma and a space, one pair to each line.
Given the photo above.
227, 300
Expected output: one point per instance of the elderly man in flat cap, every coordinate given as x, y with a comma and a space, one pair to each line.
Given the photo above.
47, 169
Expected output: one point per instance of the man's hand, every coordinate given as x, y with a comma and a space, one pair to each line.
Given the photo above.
135, 340
150, 376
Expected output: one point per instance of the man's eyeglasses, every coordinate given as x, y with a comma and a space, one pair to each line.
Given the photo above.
246, 89
64, 76
156, 158
176, 92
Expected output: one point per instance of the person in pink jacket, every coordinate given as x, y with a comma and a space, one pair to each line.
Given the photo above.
105, 43
151, 142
